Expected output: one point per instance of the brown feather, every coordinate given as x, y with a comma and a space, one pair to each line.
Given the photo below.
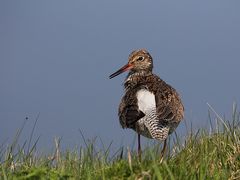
169, 108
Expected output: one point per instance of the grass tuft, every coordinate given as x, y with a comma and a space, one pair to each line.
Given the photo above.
213, 154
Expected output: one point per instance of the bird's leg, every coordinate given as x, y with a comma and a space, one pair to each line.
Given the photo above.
163, 152
139, 148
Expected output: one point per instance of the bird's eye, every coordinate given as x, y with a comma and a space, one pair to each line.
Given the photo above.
140, 58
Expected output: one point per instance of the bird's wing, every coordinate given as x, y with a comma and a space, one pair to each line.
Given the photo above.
169, 107
129, 113
164, 109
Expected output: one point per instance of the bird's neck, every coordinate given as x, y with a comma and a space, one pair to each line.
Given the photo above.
135, 77
138, 73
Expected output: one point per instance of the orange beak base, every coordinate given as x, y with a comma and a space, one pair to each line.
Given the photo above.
121, 70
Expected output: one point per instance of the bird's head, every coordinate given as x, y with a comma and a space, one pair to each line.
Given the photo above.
138, 61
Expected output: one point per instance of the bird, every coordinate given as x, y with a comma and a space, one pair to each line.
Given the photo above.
150, 106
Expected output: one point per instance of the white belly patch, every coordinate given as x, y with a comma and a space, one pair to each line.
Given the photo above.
150, 122
146, 101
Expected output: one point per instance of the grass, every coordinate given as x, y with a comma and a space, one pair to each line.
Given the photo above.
201, 155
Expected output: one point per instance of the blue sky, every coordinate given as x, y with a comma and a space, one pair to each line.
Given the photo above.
56, 56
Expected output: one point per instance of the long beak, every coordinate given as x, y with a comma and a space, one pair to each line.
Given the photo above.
121, 70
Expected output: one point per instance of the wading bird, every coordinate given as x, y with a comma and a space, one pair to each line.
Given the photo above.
149, 106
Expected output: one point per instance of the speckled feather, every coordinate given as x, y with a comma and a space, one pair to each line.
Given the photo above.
169, 108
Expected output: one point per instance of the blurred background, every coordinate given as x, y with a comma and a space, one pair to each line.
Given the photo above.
56, 56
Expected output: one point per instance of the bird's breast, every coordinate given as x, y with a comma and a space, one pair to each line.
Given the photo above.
149, 125
146, 101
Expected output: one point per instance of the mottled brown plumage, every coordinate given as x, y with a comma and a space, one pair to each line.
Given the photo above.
169, 110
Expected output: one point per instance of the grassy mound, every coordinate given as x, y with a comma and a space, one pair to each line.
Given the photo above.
202, 155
